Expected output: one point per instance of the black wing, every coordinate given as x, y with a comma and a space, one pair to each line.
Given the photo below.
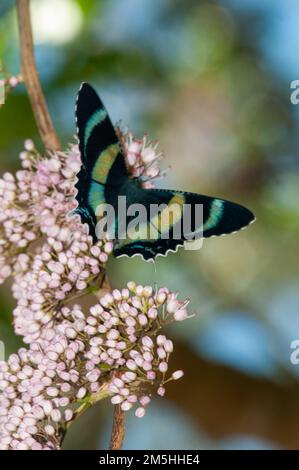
103, 163
215, 217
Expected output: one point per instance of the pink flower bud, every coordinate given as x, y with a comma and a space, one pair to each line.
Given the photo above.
181, 315
163, 367
131, 364
49, 430
148, 356
129, 376
151, 375
147, 366
168, 346
177, 374
118, 382
147, 342
81, 393
68, 415
147, 291
52, 391
126, 406
161, 391
142, 319
140, 412
131, 286
13, 81
71, 333
145, 400
152, 313
117, 399
56, 415
132, 399
113, 388
47, 406
161, 340
29, 145
161, 297
161, 353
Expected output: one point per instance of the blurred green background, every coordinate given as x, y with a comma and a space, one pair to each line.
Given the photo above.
211, 81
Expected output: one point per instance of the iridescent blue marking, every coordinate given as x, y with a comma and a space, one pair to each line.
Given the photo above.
96, 118
215, 215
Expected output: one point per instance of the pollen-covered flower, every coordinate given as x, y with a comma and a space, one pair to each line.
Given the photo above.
118, 350
142, 158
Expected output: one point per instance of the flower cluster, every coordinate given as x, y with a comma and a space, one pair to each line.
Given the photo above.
35, 202
142, 158
73, 359
67, 265
35, 404
129, 321
116, 350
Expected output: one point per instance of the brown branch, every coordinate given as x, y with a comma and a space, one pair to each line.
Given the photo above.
118, 429
118, 424
31, 78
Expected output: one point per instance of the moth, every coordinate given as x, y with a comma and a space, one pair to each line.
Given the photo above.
104, 177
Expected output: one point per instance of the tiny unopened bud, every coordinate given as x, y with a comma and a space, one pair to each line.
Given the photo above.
145, 400
29, 145
161, 391
126, 405
140, 412
116, 399
163, 366
168, 346
131, 286
161, 340
177, 374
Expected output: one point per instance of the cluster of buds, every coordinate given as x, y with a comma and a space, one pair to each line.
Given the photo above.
66, 266
147, 368
116, 351
34, 405
73, 359
129, 322
142, 158
35, 201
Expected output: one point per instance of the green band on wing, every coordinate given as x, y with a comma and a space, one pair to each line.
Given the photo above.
96, 118
165, 219
96, 195
215, 215
104, 163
